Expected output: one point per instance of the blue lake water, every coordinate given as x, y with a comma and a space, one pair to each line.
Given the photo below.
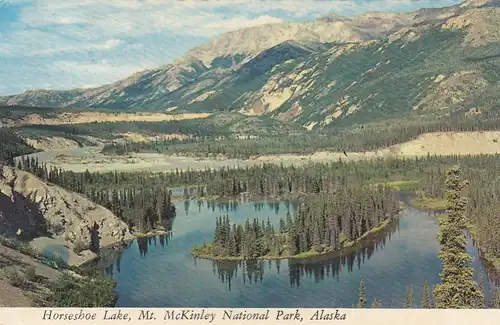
160, 272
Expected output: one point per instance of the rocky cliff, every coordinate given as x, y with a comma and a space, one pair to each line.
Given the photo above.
53, 218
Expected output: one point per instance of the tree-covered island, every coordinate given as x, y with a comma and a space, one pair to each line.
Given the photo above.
323, 223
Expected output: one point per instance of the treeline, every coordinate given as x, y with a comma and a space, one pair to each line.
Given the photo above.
362, 138
482, 172
11, 145
219, 125
297, 270
69, 132
323, 222
195, 127
260, 180
457, 289
483, 200
144, 208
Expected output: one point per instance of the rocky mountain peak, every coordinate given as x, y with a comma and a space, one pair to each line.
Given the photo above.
212, 63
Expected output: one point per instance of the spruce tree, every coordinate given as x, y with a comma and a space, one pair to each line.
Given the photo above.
376, 303
426, 299
457, 288
362, 298
409, 298
497, 300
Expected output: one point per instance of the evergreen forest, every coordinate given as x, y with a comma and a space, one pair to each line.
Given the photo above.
339, 203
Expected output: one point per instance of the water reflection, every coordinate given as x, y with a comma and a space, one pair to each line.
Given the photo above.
144, 242
317, 268
252, 272
232, 206
404, 254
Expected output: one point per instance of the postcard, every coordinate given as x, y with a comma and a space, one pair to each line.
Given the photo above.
249, 161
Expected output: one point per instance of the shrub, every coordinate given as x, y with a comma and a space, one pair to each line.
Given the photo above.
30, 274
318, 248
18, 245
15, 278
94, 291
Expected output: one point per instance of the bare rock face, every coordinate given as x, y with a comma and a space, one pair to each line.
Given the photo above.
482, 26
43, 210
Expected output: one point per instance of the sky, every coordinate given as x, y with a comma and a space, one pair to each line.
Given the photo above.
64, 44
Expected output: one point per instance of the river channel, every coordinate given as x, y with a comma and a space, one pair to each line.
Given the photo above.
160, 272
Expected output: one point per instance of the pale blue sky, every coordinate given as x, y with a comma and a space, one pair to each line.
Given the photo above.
63, 44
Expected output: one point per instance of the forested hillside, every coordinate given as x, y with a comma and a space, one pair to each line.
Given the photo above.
362, 138
12, 146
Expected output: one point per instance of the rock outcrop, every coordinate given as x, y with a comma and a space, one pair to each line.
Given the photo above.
49, 214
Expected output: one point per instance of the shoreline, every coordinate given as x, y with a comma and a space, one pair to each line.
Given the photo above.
438, 206
493, 261
122, 244
428, 204
347, 248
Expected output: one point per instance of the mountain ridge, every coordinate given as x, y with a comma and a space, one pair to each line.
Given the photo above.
292, 80
247, 42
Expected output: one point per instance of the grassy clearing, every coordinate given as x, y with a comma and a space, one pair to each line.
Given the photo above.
429, 203
403, 185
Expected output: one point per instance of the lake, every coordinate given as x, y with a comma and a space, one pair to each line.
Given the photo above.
160, 272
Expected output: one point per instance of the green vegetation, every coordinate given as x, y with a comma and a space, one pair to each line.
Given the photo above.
25, 248
364, 138
384, 79
63, 131
457, 288
426, 299
385, 93
12, 146
409, 298
362, 297
278, 181
30, 273
328, 222
376, 303
402, 185
86, 288
429, 203
408, 303
318, 187
15, 278
94, 290
19, 111
214, 126
146, 208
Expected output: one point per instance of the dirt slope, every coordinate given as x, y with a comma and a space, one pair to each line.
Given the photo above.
52, 143
57, 220
93, 117
437, 143
11, 296
440, 143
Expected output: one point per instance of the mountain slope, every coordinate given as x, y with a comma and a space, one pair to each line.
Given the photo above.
433, 69
152, 89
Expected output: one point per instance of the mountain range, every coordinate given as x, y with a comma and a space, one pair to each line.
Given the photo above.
335, 70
